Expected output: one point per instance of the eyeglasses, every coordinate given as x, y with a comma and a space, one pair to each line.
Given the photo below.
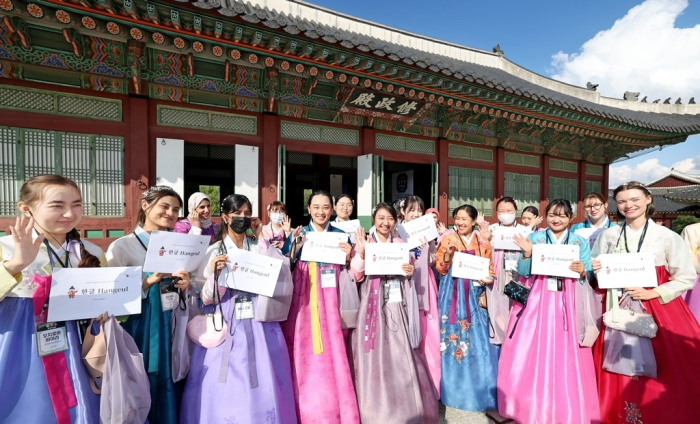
593, 207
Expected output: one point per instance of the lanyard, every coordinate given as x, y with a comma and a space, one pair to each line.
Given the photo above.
549, 239
141, 242
223, 250
623, 233
53, 256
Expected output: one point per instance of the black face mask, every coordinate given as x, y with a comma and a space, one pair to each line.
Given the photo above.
239, 224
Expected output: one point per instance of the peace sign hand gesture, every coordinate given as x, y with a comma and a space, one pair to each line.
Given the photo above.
26, 249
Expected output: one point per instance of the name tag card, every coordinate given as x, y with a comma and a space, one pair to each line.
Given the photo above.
554, 260
51, 338
348, 227
470, 267
85, 293
385, 258
244, 308
420, 231
251, 272
324, 247
590, 234
170, 252
502, 238
625, 270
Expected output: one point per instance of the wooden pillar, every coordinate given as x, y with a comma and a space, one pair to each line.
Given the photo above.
367, 140
544, 184
268, 188
138, 174
606, 180
581, 190
500, 172
443, 179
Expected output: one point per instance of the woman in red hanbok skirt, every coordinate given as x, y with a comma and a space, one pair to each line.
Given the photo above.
674, 395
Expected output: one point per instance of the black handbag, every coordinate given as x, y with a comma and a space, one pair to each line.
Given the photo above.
517, 292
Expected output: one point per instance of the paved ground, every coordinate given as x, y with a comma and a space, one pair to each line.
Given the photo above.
455, 416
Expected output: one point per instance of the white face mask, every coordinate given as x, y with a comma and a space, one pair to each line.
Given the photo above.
506, 218
276, 218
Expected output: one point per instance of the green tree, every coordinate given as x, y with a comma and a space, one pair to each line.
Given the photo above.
214, 193
683, 221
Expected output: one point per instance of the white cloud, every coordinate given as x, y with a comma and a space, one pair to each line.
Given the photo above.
650, 170
643, 51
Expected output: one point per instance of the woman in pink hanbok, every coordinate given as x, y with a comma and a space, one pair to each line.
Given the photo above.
391, 375
323, 387
544, 375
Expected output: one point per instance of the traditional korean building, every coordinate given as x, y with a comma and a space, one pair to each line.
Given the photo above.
277, 98
675, 194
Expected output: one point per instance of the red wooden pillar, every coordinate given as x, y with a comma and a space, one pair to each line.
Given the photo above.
443, 179
137, 172
367, 140
268, 188
581, 189
606, 180
544, 184
500, 173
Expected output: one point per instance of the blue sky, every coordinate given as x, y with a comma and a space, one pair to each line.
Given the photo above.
650, 46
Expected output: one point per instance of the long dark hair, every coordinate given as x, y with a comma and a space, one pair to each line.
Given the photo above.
507, 199
231, 204
533, 210
32, 191
559, 205
387, 207
469, 209
337, 199
413, 201
319, 193
151, 197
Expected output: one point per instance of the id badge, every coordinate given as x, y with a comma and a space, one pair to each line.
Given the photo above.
244, 307
328, 278
394, 292
510, 261
168, 301
51, 338
552, 284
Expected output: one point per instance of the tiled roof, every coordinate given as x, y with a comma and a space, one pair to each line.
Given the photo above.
663, 201
693, 179
471, 72
689, 194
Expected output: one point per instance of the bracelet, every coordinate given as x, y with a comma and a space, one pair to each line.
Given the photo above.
527, 257
446, 260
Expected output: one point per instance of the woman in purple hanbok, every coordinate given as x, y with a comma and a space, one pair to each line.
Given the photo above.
247, 378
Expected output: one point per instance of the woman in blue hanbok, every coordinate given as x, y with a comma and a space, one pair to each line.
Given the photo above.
469, 359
